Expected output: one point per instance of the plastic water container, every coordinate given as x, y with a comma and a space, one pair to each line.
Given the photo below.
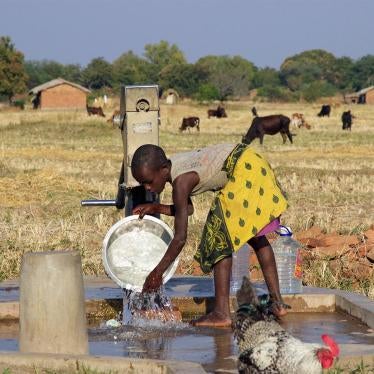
288, 259
240, 268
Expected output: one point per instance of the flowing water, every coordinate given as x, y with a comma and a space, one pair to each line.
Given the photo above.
150, 310
131, 258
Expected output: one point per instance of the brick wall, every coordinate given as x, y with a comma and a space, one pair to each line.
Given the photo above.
63, 96
370, 97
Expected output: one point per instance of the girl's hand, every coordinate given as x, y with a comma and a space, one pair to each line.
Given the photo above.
144, 209
153, 282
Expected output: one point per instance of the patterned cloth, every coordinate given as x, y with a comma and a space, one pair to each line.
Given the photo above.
251, 199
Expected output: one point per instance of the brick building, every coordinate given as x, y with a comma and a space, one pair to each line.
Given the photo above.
365, 96
59, 94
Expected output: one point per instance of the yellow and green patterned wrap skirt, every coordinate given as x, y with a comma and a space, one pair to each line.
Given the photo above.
250, 200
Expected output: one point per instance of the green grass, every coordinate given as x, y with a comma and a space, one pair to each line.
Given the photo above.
361, 368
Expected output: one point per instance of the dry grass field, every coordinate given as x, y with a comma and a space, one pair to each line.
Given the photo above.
49, 161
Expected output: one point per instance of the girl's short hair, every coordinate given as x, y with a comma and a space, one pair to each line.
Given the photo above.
149, 155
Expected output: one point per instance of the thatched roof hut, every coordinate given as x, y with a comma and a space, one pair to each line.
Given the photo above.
170, 96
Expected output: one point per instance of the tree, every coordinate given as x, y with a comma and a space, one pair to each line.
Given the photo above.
130, 69
307, 67
185, 78
43, 71
72, 72
344, 68
162, 54
231, 76
363, 72
276, 93
207, 92
35, 73
12, 70
266, 77
98, 74
312, 91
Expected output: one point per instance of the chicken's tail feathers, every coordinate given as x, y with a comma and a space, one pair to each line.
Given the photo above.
331, 343
246, 294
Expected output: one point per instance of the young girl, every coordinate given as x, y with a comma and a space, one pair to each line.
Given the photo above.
247, 206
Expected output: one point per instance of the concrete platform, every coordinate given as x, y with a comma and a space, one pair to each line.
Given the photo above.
347, 315
195, 295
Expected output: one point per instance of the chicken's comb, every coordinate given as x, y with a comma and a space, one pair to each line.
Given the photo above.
331, 343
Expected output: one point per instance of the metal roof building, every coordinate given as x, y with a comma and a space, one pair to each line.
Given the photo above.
364, 96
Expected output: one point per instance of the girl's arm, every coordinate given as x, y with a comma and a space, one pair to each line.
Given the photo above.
182, 187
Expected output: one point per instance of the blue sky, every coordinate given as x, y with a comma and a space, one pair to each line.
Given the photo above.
263, 31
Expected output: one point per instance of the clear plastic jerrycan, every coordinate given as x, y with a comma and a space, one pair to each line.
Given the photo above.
289, 261
240, 268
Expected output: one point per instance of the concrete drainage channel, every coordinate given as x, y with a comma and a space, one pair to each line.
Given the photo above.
348, 317
15, 363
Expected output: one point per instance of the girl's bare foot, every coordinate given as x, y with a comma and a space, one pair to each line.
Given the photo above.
213, 319
280, 309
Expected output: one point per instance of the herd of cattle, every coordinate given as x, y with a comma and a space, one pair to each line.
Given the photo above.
260, 126
269, 125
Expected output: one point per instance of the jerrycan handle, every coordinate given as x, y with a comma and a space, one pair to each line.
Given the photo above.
284, 231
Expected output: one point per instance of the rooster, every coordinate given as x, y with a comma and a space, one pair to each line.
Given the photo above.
265, 347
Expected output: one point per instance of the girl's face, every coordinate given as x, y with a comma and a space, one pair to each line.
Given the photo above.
153, 180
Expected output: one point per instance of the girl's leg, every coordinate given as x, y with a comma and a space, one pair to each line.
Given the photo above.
220, 316
265, 256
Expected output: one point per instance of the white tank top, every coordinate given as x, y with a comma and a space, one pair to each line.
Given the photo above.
207, 163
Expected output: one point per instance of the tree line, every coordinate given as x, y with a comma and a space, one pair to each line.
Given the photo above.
306, 76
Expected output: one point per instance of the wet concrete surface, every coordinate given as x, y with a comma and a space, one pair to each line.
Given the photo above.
214, 349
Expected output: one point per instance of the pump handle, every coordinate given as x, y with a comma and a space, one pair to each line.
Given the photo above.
98, 202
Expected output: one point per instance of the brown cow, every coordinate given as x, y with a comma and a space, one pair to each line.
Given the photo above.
189, 122
298, 120
269, 125
219, 112
91, 110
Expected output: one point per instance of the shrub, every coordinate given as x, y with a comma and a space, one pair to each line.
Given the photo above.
317, 89
207, 92
20, 103
277, 93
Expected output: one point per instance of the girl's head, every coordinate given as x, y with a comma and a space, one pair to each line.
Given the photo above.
150, 167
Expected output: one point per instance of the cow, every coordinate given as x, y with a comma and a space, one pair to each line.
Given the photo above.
114, 117
325, 111
91, 110
347, 120
269, 125
298, 120
189, 122
219, 112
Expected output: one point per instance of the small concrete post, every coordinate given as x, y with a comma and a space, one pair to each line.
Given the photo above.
52, 309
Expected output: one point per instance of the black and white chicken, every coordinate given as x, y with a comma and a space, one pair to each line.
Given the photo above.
265, 347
